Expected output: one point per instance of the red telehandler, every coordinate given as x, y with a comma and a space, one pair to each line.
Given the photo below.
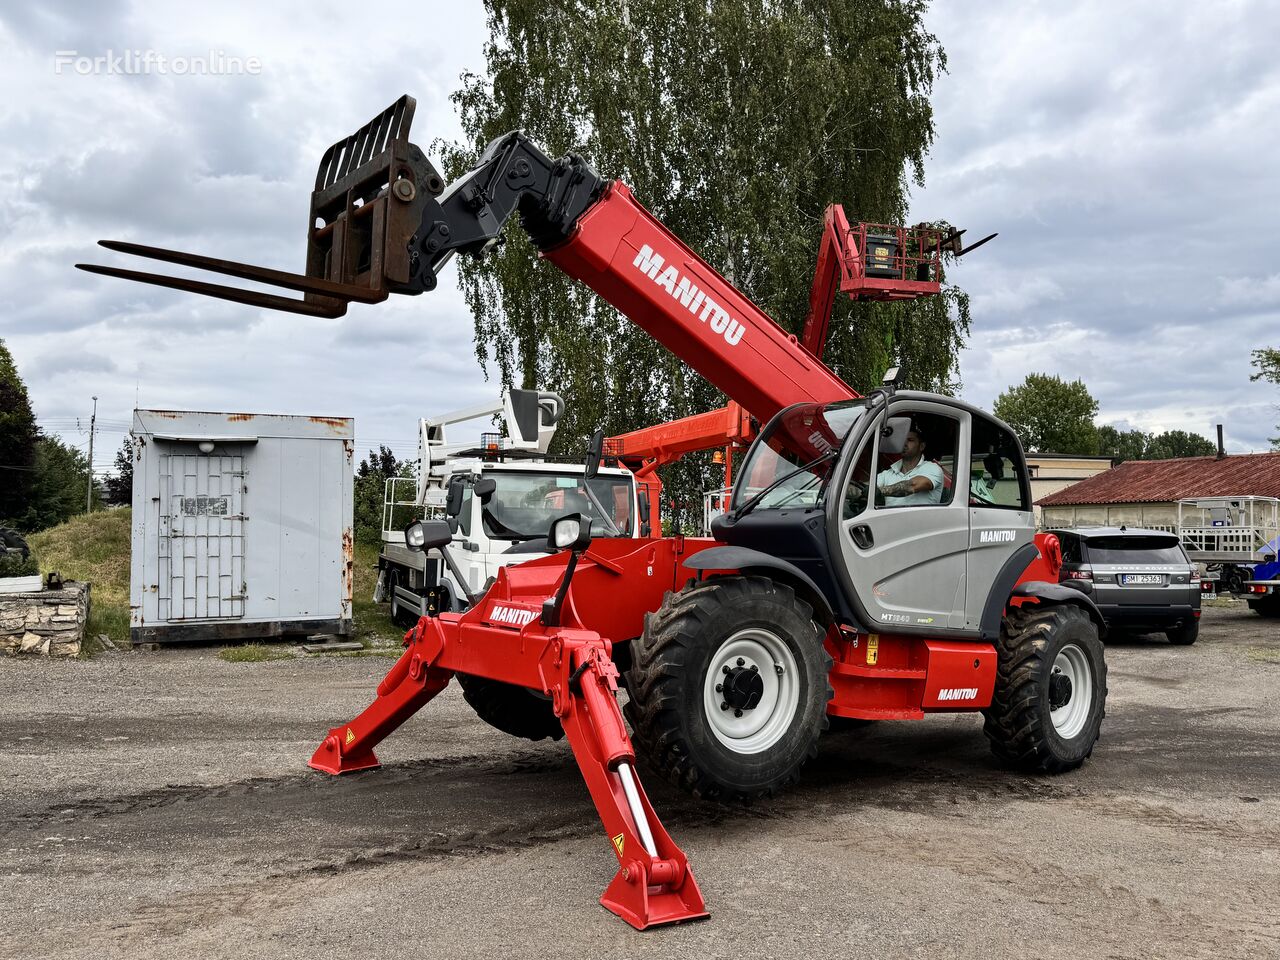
878, 560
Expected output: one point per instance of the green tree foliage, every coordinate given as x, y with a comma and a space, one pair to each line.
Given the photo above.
1267, 360
1122, 445
61, 481
18, 435
1051, 415
118, 486
1179, 443
736, 123
369, 492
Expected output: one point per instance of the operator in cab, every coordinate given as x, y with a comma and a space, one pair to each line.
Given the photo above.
913, 480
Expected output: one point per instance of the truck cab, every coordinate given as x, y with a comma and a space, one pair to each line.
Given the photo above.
510, 523
501, 512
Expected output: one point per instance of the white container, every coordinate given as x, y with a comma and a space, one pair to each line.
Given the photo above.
242, 526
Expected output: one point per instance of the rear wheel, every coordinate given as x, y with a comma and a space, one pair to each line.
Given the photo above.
1184, 634
1051, 689
1268, 607
514, 710
728, 687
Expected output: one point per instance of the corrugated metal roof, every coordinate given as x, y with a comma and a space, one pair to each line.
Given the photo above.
1159, 481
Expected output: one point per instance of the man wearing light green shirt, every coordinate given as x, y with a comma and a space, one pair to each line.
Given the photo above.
913, 480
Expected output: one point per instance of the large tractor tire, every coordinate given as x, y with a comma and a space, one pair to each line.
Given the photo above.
514, 710
1051, 689
728, 688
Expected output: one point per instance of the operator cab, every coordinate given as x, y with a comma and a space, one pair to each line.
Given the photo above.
889, 507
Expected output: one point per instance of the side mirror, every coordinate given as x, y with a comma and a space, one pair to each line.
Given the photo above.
643, 498
426, 534
570, 532
595, 450
485, 488
453, 503
893, 435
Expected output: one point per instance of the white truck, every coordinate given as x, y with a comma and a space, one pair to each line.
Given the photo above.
499, 496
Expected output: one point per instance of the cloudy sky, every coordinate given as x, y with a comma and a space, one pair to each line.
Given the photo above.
1121, 152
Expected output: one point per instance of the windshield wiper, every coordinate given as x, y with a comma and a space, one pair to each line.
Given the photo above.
747, 507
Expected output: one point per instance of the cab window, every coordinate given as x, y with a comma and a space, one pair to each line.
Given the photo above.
997, 473
917, 461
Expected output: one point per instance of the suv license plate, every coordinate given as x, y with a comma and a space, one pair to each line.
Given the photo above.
1156, 579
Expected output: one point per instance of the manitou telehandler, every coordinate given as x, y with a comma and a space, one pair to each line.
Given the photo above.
878, 560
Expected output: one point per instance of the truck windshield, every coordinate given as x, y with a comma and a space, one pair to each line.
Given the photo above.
797, 437
525, 503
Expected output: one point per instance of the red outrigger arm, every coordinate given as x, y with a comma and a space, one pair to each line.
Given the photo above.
502, 638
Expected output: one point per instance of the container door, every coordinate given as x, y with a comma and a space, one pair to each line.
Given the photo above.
201, 531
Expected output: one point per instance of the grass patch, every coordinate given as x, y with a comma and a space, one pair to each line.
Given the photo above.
371, 624
93, 548
1265, 654
252, 653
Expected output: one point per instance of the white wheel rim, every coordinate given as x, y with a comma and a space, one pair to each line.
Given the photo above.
767, 722
1070, 718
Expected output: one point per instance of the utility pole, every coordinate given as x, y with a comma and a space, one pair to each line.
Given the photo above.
88, 497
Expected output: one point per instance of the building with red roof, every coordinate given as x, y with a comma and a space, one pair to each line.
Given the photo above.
1145, 493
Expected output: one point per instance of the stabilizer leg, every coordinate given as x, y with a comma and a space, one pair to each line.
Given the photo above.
407, 686
654, 884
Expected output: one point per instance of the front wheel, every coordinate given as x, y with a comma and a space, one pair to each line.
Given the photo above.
728, 687
400, 615
1051, 689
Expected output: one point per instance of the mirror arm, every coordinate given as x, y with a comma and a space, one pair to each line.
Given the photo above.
551, 607
457, 574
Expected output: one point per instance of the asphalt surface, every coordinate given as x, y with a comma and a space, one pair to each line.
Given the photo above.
158, 805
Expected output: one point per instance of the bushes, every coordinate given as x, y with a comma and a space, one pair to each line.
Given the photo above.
16, 565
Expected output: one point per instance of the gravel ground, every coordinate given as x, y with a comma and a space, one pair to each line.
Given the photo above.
158, 805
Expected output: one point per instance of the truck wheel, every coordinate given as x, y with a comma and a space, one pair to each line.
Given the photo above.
514, 710
729, 687
397, 609
1234, 578
1051, 689
1184, 634
1269, 608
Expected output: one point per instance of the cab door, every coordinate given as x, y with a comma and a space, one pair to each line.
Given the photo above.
907, 560
1000, 517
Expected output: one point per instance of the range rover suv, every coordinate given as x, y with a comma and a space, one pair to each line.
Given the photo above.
1142, 579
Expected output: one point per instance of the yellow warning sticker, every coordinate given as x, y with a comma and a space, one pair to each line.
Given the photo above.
873, 648
617, 842
350, 736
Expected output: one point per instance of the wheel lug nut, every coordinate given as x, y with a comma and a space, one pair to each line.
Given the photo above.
719, 688
741, 661
723, 705
737, 713
726, 669
754, 668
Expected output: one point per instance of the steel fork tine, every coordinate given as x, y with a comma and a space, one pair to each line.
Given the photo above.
313, 308
232, 268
